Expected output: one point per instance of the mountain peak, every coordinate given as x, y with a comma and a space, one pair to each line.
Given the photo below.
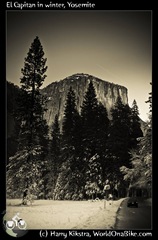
85, 77
56, 92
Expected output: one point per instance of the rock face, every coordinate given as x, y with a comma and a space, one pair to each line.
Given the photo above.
56, 92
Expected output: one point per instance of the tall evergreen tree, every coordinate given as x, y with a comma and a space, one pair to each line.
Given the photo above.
70, 116
150, 101
25, 167
136, 131
70, 150
89, 121
118, 141
102, 125
56, 140
95, 130
93, 177
140, 172
53, 159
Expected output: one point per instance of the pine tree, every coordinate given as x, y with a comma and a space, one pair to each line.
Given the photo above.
93, 177
119, 132
94, 131
118, 144
140, 173
70, 150
56, 141
26, 166
102, 125
70, 125
136, 131
150, 101
54, 160
89, 121
63, 188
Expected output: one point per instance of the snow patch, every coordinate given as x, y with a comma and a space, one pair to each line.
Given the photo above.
50, 214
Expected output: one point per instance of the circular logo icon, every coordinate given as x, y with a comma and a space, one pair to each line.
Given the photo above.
15, 227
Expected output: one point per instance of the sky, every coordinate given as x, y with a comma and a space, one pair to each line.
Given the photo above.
115, 46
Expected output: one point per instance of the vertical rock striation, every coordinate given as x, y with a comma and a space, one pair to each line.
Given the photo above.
56, 93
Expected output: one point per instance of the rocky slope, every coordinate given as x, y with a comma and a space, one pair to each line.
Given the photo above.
56, 92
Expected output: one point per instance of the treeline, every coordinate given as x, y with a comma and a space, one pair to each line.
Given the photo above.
77, 161
90, 149
139, 175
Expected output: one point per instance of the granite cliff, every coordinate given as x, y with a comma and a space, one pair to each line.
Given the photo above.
56, 93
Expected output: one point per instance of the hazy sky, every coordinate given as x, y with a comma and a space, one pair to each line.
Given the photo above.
111, 45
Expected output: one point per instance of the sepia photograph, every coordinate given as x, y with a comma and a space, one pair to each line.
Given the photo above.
79, 120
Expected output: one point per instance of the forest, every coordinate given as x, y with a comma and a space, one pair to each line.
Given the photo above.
89, 151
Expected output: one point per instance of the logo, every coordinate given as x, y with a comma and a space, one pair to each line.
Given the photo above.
16, 222
16, 226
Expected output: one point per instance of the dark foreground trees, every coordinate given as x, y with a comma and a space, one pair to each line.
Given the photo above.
80, 155
94, 148
25, 168
139, 175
